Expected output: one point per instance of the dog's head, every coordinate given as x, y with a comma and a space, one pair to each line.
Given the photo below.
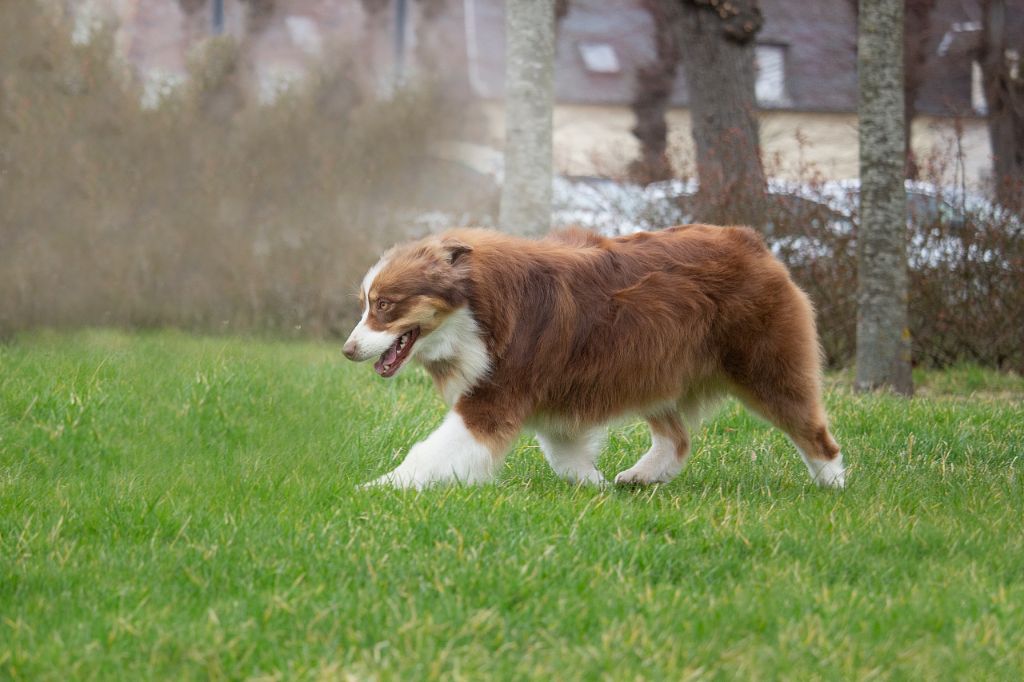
407, 296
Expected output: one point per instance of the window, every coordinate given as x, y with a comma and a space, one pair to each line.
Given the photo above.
978, 102
600, 58
770, 67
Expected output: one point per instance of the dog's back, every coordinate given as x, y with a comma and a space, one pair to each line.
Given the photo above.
591, 327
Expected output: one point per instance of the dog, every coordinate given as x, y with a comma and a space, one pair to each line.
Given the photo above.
566, 333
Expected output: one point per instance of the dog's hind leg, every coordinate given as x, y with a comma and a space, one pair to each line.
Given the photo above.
776, 372
573, 457
670, 448
822, 456
798, 412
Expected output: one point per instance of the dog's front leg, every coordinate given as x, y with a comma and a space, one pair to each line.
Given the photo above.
454, 452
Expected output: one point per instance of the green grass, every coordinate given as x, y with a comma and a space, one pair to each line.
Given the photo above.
173, 507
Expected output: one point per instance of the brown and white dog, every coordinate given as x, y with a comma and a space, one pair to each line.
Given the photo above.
566, 333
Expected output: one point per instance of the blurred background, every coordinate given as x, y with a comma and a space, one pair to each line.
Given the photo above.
235, 165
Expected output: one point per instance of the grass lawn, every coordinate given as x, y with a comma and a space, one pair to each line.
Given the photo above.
174, 507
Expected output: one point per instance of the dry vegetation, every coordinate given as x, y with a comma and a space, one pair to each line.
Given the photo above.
208, 212
966, 266
213, 213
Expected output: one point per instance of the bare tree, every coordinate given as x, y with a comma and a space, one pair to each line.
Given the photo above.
883, 336
654, 83
717, 48
529, 102
1004, 96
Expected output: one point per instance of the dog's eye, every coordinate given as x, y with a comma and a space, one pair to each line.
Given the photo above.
382, 304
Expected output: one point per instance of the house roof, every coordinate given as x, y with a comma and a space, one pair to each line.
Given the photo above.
818, 38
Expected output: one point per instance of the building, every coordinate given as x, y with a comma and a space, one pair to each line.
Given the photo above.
806, 55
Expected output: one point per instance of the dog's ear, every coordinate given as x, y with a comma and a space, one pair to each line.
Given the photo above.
454, 250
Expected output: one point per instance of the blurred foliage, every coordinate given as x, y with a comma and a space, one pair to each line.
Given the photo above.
209, 211
966, 268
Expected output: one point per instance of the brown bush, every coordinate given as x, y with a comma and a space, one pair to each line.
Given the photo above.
817, 243
967, 289
207, 212
966, 269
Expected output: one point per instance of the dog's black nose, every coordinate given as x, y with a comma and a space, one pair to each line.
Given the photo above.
350, 348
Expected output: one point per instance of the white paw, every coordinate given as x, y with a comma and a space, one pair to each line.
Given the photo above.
393, 479
828, 474
830, 477
589, 477
379, 482
642, 476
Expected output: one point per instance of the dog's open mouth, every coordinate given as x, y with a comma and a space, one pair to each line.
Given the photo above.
395, 356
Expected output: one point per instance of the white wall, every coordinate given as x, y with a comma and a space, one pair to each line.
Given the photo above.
596, 140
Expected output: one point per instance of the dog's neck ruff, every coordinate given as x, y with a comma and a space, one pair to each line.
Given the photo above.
456, 355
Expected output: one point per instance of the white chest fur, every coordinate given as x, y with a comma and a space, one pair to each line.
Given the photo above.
457, 343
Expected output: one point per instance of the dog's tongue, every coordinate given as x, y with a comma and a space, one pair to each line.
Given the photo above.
388, 358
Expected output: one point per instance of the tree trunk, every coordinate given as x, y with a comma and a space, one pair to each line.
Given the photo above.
883, 337
654, 83
1004, 96
529, 101
916, 39
718, 57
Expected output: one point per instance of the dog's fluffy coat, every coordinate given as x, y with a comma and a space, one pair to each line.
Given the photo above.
566, 333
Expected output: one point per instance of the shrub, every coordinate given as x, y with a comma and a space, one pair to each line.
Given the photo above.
965, 267
207, 212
